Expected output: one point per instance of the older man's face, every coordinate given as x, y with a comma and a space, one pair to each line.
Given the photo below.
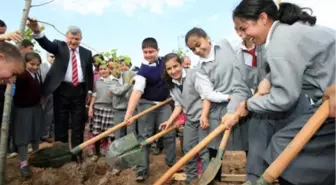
9, 69
73, 40
186, 62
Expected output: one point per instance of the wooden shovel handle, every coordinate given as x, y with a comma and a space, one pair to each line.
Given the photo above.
297, 144
191, 154
225, 139
160, 134
120, 125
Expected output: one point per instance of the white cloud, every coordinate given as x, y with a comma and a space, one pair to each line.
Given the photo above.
214, 17
85, 6
127, 6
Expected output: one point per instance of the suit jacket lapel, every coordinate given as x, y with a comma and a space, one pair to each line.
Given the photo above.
82, 60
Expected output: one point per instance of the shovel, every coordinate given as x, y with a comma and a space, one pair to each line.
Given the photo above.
165, 177
127, 152
58, 155
294, 147
215, 163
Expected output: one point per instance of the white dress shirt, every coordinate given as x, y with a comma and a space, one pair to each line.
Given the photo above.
68, 74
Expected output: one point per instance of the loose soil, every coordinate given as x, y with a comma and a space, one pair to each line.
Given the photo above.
97, 173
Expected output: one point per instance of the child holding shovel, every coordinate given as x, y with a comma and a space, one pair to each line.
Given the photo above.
148, 90
186, 90
120, 90
101, 108
301, 57
252, 70
217, 64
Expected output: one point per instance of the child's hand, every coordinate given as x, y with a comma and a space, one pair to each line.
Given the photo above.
229, 120
264, 87
90, 112
110, 94
330, 93
165, 125
204, 122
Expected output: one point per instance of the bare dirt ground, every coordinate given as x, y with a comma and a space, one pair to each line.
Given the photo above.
93, 173
96, 173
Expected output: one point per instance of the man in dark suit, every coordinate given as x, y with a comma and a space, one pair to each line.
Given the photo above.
70, 79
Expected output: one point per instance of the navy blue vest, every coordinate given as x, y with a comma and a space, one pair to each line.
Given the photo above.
155, 86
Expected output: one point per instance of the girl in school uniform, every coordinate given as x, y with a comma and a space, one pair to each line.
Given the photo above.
252, 70
97, 60
28, 113
120, 90
101, 109
217, 64
186, 94
301, 57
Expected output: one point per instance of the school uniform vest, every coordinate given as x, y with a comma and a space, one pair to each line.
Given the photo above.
102, 92
189, 98
220, 71
155, 86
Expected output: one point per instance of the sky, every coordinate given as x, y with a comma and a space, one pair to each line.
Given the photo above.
123, 24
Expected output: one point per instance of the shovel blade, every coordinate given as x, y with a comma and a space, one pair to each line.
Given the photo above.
127, 160
122, 145
210, 173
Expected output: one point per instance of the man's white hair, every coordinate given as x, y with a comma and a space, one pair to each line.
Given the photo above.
74, 30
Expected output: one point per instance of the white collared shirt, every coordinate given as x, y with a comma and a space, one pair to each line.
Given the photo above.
210, 57
179, 82
270, 32
248, 58
68, 74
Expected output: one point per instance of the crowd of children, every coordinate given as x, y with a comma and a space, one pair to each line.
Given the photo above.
274, 80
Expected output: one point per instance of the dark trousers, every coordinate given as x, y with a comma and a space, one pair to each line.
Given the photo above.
69, 101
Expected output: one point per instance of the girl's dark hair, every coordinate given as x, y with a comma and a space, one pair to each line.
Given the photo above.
31, 56
288, 13
168, 80
195, 32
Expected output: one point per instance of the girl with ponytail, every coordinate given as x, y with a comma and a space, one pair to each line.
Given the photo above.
301, 60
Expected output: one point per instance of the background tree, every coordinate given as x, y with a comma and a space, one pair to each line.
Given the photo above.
180, 52
10, 90
115, 57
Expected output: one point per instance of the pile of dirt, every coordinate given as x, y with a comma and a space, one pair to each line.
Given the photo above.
93, 173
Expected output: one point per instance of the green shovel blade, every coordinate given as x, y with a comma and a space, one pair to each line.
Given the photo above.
122, 145
127, 160
211, 171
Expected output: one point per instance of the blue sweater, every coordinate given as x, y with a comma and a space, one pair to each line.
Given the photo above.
155, 89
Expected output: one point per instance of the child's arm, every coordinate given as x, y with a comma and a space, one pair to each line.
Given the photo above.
93, 99
138, 89
205, 88
177, 111
204, 121
118, 90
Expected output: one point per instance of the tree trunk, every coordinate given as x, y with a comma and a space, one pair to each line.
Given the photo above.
10, 90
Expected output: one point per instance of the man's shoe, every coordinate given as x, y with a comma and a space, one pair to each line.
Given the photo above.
141, 176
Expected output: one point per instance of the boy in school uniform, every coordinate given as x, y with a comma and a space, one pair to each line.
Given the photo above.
148, 90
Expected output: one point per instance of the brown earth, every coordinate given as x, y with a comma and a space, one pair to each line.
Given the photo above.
93, 173
97, 173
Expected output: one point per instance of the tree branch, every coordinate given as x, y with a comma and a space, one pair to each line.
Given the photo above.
42, 4
65, 35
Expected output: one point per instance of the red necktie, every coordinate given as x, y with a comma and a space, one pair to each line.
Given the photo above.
74, 68
252, 52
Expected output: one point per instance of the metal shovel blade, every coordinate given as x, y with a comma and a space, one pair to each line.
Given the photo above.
122, 145
211, 171
127, 160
